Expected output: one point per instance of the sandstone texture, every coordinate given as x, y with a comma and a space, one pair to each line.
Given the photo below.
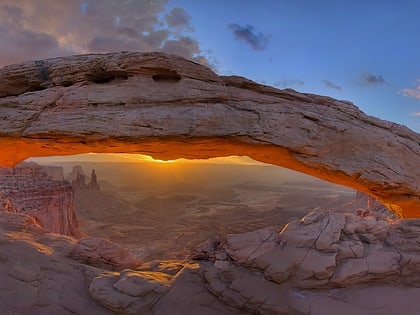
169, 107
44, 273
31, 189
103, 253
329, 262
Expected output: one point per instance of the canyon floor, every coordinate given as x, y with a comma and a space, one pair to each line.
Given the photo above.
166, 212
236, 244
169, 226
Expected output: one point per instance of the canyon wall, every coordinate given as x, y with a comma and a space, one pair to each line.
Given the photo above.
29, 189
169, 107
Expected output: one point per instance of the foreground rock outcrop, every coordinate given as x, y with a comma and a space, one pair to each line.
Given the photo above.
169, 107
45, 273
329, 262
41, 272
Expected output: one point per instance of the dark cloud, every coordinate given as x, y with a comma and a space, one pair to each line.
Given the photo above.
289, 83
128, 32
368, 79
331, 85
18, 44
178, 19
250, 36
11, 15
156, 39
44, 28
109, 44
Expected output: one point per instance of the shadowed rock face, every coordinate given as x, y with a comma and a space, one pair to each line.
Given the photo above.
29, 189
169, 107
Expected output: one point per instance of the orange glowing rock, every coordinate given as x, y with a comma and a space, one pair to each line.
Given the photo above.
169, 107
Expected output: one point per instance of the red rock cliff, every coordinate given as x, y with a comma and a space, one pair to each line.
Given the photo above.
28, 189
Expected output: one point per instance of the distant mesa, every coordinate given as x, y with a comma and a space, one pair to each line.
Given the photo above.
93, 181
33, 169
79, 180
76, 173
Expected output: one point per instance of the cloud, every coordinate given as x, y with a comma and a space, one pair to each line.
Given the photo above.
416, 114
182, 46
109, 44
289, 83
250, 36
412, 92
19, 45
368, 79
331, 85
178, 19
44, 28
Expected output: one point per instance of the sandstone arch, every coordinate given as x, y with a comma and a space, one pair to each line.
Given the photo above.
169, 107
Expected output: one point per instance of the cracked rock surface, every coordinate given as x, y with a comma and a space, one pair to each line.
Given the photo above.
326, 259
169, 107
42, 274
350, 260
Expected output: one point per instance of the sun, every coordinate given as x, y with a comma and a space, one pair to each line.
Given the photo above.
144, 158
164, 161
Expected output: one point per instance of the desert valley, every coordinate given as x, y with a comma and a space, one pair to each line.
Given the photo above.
164, 210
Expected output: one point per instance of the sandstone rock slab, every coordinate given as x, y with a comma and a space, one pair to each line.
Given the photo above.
170, 107
100, 252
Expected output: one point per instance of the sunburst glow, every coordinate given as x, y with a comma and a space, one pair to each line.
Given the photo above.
141, 158
164, 161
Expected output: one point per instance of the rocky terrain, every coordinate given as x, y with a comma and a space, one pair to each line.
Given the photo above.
364, 262
42, 272
327, 262
35, 191
165, 211
169, 107
358, 259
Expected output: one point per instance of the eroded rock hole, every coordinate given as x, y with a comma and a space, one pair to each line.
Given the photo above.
166, 76
102, 77
165, 209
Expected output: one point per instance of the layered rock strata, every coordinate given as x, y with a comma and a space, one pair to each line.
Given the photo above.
170, 107
29, 189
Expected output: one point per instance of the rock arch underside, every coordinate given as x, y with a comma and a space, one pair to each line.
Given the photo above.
329, 262
169, 107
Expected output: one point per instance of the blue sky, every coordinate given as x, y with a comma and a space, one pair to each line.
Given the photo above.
363, 51
366, 52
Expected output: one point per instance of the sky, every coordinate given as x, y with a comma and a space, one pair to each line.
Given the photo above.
366, 52
139, 158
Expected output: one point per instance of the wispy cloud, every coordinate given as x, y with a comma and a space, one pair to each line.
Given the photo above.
249, 35
416, 114
289, 83
85, 26
413, 92
331, 85
369, 79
